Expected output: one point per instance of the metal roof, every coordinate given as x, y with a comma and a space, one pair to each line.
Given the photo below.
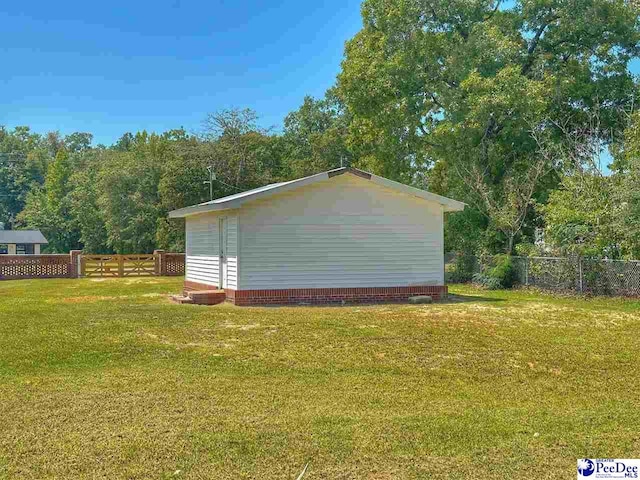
22, 236
245, 194
237, 200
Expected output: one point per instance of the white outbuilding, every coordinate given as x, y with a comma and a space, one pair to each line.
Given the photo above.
342, 235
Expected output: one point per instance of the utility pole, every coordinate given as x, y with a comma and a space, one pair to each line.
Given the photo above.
212, 178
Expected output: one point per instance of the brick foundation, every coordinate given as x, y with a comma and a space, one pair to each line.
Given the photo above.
327, 296
321, 296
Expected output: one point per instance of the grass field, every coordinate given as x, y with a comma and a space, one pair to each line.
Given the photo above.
108, 379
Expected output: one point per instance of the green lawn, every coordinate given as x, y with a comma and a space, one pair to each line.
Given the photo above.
108, 379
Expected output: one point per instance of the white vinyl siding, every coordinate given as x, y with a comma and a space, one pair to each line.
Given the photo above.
342, 232
203, 249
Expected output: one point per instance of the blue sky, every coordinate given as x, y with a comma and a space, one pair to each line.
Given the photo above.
116, 66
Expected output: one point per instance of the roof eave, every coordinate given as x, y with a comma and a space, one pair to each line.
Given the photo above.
449, 204
212, 207
202, 208
455, 207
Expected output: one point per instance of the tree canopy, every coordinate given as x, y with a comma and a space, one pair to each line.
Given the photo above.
506, 106
471, 90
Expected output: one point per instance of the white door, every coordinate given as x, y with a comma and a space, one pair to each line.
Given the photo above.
223, 252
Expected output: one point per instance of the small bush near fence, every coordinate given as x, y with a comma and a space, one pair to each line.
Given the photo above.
558, 274
461, 268
501, 274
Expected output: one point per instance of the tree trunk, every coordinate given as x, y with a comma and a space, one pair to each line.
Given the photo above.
510, 239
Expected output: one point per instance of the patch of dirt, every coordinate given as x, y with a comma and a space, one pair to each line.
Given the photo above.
145, 280
534, 313
204, 344
248, 326
99, 298
128, 281
86, 299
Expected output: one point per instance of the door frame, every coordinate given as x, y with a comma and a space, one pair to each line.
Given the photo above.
222, 254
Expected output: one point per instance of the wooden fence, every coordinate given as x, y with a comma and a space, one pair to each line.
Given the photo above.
158, 263
119, 265
13, 267
172, 264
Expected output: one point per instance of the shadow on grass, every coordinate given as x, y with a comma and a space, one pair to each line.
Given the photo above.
455, 298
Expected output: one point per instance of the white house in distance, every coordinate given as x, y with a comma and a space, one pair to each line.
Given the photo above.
21, 242
341, 235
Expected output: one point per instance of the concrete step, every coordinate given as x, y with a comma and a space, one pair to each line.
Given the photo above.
207, 297
421, 299
181, 299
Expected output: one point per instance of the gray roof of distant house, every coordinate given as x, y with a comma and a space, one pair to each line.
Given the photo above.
22, 236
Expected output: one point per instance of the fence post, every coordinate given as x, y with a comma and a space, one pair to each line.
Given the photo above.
161, 264
526, 271
74, 260
120, 265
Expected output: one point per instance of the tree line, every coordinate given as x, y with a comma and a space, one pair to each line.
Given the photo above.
524, 110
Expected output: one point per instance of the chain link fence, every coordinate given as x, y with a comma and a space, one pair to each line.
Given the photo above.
558, 274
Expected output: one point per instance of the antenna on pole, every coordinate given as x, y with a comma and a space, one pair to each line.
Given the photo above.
212, 178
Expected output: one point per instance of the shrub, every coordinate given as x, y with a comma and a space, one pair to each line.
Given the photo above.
486, 281
503, 271
500, 275
462, 269
527, 250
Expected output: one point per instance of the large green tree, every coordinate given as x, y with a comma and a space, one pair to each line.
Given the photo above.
627, 182
476, 86
23, 165
48, 208
243, 153
315, 137
128, 185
